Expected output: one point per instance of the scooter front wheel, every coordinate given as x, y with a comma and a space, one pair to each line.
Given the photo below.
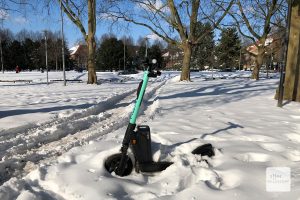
112, 162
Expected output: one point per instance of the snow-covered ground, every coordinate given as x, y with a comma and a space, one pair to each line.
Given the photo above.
54, 139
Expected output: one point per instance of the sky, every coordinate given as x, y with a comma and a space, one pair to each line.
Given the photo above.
39, 21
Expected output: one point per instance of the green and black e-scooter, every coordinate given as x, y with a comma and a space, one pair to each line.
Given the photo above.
138, 138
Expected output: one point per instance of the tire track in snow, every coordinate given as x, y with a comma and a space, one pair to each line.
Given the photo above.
100, 123
103, 105
60, 127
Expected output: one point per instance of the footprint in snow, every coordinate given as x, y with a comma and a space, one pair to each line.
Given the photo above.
260, 138
293, 155
252, 157
293, 137
272, 147
295, 116
221, 180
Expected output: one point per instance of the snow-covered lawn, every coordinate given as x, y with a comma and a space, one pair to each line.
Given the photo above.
56, 138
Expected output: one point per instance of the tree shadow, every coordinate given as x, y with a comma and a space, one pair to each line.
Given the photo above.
169, 148
220, 94
220, 89
230, 126
26, 84
287, 102
8, 113
79, 76
173, 146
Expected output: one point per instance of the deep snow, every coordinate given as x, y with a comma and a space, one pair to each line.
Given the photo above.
73, 129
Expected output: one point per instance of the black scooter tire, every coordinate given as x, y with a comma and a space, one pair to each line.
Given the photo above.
112, 162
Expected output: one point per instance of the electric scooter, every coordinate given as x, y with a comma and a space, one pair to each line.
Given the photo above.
138, 139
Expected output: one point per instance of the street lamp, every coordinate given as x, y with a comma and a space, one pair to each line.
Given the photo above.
269, 44
124, 63
1, 50
62, 42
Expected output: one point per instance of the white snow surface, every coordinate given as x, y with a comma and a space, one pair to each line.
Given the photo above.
54, 139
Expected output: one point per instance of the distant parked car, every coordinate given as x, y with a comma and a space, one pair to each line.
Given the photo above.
79, 69
125, 72
227, 70
194, 70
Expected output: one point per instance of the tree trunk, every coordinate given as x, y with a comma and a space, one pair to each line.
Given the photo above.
187, 53
292, 78
92, 78
258, 62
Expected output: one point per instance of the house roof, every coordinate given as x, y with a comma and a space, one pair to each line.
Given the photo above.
74, 49
253, 48
166, 54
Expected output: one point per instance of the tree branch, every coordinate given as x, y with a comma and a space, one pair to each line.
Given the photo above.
176, 18
216, 24
246, 20
73, 17
127, 19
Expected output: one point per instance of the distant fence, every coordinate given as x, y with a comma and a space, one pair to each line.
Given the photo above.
68, 80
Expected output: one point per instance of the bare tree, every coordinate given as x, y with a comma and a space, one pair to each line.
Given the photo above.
10, 5
76, 10
254, 19
173, 21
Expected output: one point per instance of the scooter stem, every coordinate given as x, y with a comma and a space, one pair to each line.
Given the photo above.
131, 126
140, 98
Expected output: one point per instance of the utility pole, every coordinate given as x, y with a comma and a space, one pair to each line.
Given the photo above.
1, 50
124, 53
62, 42
46, 52
241, 44
271, 60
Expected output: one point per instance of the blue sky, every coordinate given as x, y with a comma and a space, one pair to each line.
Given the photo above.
34, 21
39, 21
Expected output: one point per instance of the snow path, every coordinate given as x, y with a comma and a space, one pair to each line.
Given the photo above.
50, 139
238, 116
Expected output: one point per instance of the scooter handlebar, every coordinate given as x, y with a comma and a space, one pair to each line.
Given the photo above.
154, 74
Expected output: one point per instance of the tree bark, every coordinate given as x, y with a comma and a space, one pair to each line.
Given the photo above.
92, 78
187, 53
292, 78
258, 63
